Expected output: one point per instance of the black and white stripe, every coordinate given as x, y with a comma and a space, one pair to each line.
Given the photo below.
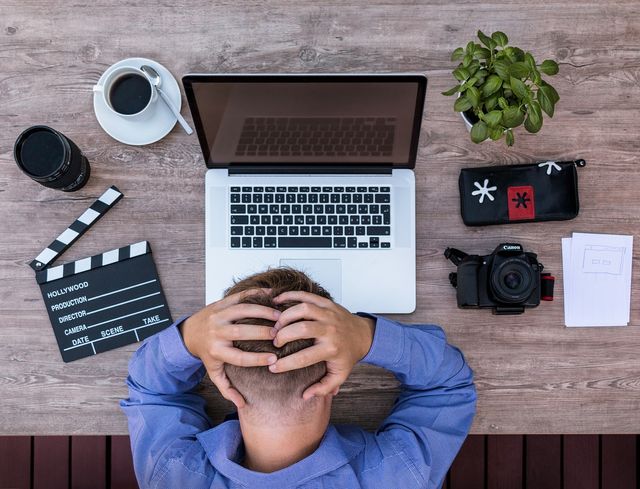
70, 235
96, 261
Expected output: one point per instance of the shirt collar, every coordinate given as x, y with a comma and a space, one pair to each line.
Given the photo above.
223, 445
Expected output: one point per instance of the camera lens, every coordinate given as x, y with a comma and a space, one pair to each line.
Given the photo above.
512, 280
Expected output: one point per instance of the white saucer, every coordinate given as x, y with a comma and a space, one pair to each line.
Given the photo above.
139, 133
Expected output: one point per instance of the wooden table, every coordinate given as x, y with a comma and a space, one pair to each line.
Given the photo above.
533, 374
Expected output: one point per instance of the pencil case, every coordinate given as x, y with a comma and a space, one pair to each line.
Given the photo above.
544, 191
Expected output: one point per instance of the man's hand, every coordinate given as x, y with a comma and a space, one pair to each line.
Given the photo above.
342, 339
209, 335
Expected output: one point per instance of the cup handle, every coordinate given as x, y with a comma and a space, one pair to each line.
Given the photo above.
98, 88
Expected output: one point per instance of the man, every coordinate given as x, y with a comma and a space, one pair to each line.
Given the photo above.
279, 348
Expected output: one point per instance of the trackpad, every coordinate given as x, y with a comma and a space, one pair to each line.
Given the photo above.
327, 273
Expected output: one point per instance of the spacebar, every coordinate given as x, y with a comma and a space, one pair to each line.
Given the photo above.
312, 242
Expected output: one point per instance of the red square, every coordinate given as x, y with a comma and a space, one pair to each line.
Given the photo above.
521, 202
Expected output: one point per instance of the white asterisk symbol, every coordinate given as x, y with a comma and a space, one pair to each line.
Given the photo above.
484, 190
551, 165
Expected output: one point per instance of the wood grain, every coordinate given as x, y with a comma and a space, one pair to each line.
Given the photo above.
533, 374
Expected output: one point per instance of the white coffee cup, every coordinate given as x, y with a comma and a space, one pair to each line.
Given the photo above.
105, 89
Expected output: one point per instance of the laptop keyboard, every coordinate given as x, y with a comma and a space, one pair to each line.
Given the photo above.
310, 217
321, 136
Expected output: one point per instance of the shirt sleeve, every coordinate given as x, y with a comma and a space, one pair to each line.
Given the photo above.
163, 412
435, 409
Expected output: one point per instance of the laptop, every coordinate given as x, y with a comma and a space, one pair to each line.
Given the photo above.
313, 172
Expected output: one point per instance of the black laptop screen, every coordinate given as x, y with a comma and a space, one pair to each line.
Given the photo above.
307, 119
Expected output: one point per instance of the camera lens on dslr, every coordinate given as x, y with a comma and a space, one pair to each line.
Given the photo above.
512, 281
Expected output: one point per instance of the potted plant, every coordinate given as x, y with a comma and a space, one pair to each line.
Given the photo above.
500, 87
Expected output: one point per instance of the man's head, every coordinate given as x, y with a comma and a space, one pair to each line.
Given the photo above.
266, 392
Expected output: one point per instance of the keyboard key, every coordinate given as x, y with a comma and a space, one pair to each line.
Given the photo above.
298, 219
310, 219
366, 220
378, 231
265, 220
332, 220
341, 209
276, 220
329, 209
385, 189
315, 230
357, 199
288, 219
321, 219
368, 198
257, 242
352, 242
235, 189
296, 209
270, 242
339, 242
236, 230
282, 230
254, 219
338, 189
238, 209
373, 189
235, 198
345, 198
290, 198
279, 198
249, 230
302, 198
252, 209
235, 242
274, 209
335, 198
292, 189
327, 189
349, 230
360, 230
363, 245
386, 219
246, 189
324, 198
326, 230
257, 198
374, 209
281, 189
269, 189
316, 189
258, 189
263, 209
246, 242
383, 198
246, 198
374, 242
260, 230
362, 189
385, 209
377, 220
305, 230
363, 209
285, 209
313, 198
239, 219
293, 230
352, 209
307, 209
271, 230
318, 209
268, 198
350, 189
343, 220
304, 242
385, 244
338, 230
304, 189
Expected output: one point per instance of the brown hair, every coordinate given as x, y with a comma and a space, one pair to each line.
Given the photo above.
260, 387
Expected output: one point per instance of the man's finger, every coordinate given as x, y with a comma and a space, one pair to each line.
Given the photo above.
328, 384
249, 311
221, 381
303, 358
298, 331
239, 358
246, 332
238, 297
299, 296
301, 311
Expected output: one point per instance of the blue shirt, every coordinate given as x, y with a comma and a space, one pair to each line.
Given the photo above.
175, 445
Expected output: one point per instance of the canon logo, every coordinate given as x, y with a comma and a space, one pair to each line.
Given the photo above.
512, 247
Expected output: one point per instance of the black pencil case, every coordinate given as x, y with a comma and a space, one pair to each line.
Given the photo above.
545, 191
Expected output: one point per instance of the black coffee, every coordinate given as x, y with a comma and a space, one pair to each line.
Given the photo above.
130, 94
42, 153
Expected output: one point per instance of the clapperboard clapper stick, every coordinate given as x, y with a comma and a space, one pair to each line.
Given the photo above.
104, 301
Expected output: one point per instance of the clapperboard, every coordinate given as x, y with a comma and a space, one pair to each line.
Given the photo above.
104, 301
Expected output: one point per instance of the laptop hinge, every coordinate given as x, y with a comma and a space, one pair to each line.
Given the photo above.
267, 168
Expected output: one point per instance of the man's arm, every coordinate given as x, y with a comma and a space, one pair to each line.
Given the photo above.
164, 413
435, 409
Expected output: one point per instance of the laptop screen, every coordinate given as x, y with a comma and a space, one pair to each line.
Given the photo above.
307, 119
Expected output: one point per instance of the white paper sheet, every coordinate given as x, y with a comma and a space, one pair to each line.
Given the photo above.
597, 279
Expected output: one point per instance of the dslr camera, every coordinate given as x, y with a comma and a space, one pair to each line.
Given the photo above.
508, 280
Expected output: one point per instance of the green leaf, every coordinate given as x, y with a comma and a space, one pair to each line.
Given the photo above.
462, 104
496, 133
503, 103
490, 86
471, 47
530, 61
466, 61
549, 67
509, 137
461, 74
501, 67
493, 118
457, 54
545, 102
533, 123
519, 88
550, 92
491, 102
482, 53
486, 40
479, 132
451, 91
473, 95
518, 53
512, 116
519, 70
500, 38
